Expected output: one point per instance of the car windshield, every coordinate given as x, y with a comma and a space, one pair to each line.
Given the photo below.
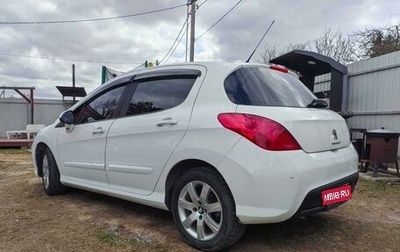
260, 86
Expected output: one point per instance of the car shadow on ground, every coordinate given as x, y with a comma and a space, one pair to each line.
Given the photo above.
299, 233
302, 233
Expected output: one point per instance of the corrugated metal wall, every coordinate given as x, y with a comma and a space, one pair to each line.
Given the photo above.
15, 113
373, 92
322, 83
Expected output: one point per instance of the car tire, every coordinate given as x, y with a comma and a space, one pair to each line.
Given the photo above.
204, 210
51, 175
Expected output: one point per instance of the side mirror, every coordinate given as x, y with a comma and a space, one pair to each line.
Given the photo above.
67, 118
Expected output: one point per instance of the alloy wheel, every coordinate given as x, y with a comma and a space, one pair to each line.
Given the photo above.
45, 168
200, 210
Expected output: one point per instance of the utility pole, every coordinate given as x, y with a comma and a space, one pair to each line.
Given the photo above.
187, 33
73, 83
192, 32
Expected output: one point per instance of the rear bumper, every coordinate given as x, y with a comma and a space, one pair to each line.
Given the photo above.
270, 187
312, 203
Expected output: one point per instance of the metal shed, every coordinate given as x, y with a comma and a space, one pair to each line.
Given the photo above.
311, 64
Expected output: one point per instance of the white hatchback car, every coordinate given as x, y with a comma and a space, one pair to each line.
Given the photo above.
221, 145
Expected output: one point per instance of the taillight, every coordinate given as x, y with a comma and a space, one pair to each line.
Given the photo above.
263, 132
278, 68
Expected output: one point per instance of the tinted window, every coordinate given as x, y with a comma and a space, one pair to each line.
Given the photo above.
154, 95
101, 108
259, 86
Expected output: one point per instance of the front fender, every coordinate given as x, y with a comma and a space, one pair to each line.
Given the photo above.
47, 137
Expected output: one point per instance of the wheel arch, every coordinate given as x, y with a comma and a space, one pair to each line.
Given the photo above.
39, 150
178, 170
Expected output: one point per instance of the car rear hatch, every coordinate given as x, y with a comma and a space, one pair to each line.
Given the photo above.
276, 94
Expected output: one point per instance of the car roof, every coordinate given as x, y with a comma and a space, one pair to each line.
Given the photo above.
212, 66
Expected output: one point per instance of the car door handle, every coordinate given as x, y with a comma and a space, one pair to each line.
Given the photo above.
167, 121
98, 130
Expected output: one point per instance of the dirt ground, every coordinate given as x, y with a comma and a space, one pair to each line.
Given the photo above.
82, 221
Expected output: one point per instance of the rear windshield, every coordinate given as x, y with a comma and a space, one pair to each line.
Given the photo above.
260, 86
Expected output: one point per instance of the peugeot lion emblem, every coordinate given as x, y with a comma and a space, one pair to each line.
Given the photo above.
335, 138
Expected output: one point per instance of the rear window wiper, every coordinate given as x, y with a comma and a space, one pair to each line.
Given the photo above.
317, 103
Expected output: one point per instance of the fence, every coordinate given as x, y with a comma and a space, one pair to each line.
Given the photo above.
15, 113
373, 92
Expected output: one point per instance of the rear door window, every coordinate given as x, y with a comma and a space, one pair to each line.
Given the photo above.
260, 86
158, 94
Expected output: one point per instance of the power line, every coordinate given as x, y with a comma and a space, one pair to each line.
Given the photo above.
205, 1
176, 45
90, 19
176, 39
70, 60
223, 16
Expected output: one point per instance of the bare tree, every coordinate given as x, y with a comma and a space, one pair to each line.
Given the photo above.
373, 42
271, 52
333, 44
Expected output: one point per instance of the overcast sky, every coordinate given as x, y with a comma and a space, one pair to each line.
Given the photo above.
41, 55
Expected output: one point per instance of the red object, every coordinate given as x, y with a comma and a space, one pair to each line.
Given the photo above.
263, 132
279, 68
336, 195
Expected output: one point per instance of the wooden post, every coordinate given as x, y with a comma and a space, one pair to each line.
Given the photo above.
32, 107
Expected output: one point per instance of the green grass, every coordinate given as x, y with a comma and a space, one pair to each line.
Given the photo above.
395, 231
111, 238
378, 188
127, 240
13, 151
